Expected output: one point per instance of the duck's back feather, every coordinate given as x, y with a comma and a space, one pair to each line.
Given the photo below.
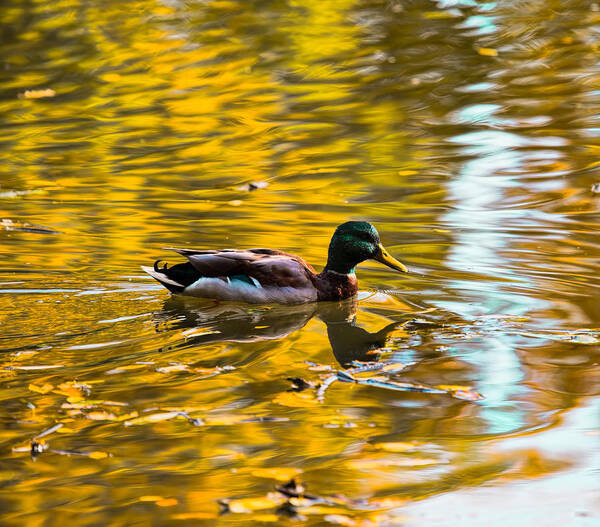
252, 275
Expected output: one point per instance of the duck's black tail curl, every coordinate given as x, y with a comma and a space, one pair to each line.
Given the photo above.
158, 269
175, 278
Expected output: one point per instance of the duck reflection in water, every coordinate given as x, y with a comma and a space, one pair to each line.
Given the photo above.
241, 323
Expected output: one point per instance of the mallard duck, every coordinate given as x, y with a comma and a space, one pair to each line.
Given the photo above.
268, 276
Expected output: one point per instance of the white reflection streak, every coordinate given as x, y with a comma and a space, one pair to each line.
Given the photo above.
478, 220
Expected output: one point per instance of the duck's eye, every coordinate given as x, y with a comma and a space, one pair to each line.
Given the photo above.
364, 236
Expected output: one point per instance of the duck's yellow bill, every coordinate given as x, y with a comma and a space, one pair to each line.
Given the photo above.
386, 258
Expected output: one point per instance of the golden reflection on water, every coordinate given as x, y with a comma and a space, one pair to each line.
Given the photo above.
466, 132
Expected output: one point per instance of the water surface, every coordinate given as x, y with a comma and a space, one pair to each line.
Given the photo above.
466, 131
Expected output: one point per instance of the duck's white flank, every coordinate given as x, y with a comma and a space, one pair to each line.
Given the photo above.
240, 291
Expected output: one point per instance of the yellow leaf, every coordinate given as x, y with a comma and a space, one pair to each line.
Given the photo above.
172, 368
111, 77
167, 502
296, 399
21, 355
488, 52
124, 417
206, 371
75, 399
278, 473
97, 455
225, 419
247, 505
38, 94
152, 418
128, 367
100, 416
452, 387
73, 388
45, 388
399, 446
461, 392
150, 498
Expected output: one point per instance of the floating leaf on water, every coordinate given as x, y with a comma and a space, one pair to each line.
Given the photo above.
122, 369
253, 185
21, 355
124, 417
97, 455
45, 388
173, 368
296, 399
76, 406
101, 416
461, 392
167, 502
150, 498
278, 473
37, 94
74, 389
10, 225
488, 52
452, 387
248, 505
207, 371
152, 418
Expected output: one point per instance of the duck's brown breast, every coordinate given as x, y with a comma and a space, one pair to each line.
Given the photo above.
335, 286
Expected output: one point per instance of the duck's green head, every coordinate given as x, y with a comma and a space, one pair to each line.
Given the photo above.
354, 242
